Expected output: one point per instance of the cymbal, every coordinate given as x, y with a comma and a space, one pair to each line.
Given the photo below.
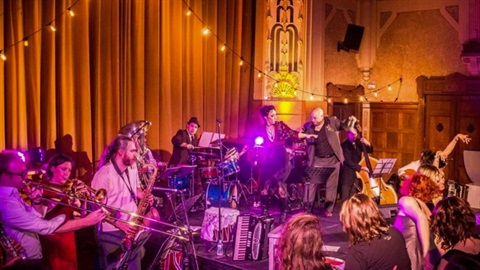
135, 128
203, 154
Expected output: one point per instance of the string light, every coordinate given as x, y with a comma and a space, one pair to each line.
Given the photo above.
189, 12
259, 75
70, 11
375, 94
329, 100
52, 27
223, 48
241, 62
389, 87
311, 96
361, 98
205, 31
345, 100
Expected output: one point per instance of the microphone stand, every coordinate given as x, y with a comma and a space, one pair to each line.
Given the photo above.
220, 143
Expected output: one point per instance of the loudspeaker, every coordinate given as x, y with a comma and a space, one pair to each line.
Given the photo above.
353, 38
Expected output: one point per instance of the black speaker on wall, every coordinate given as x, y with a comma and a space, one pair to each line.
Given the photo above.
353, 38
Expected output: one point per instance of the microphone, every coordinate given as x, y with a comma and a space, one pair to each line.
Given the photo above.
219, 121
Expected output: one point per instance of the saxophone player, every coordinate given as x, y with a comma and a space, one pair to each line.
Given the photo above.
22, 222
121, 181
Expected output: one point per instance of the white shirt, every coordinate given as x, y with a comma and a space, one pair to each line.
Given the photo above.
414, 165
23, 224
118, 193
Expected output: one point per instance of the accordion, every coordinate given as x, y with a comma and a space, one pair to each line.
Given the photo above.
251, 238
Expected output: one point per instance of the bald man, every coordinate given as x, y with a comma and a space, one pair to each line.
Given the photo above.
324, 150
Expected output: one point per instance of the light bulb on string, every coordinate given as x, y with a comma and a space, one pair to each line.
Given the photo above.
189, 12
52, 27
295, 92
3, 56
25, 42
241, 62
223, 48
205, 31
259, 75
375, 94
389, 87
329, 100
70, 11
311, 96
361, 98
345, 100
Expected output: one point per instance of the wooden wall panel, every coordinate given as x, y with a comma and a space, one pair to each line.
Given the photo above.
394, 132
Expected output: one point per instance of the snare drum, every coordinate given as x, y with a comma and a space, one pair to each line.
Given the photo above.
179, 182
209, 172
228, 167
229, 193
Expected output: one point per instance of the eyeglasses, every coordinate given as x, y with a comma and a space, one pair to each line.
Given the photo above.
22, 174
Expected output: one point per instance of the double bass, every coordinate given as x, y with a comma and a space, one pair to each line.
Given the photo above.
373, 185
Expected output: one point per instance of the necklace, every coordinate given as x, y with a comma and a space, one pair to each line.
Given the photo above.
270, 133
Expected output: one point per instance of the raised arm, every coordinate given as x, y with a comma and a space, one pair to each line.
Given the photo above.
449, 149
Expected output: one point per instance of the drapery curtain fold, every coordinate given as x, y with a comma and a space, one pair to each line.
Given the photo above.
115, 62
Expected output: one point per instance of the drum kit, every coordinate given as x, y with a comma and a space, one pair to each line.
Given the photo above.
211, 170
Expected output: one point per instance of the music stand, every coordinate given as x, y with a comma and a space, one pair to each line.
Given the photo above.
384, 166
314, 172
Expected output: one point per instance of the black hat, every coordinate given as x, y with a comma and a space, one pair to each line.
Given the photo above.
193, 120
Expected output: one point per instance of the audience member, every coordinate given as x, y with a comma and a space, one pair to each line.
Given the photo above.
412, 220
300, 246
453, 225
373, 243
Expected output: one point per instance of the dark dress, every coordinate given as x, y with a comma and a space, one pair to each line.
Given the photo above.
384, 252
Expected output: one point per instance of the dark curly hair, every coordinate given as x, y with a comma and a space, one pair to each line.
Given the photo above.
362, 219
421, 187
266, 109
452, 221
300, 246
55, 161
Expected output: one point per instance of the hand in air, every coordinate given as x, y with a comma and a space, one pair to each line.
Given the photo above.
464, 138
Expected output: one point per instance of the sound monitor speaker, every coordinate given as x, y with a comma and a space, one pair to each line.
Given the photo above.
353, 38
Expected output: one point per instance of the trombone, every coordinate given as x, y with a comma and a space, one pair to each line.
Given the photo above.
70, 191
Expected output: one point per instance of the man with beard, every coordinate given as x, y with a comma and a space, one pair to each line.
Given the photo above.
117, 176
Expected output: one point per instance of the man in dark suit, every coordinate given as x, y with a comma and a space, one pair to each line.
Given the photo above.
183, 142
352, 151
324, 150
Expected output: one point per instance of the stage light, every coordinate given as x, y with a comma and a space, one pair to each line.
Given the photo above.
258, 141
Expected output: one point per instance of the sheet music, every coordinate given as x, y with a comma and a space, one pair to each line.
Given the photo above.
384, 166
208, 137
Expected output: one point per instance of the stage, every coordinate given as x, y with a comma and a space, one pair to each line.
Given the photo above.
336, 241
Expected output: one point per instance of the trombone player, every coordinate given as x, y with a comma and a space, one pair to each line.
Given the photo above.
121, 181
22, 222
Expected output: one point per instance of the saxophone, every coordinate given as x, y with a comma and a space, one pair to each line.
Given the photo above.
134, 240
12, 255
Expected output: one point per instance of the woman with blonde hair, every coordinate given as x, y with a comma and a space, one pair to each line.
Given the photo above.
413, 217
300, 246
373, 243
